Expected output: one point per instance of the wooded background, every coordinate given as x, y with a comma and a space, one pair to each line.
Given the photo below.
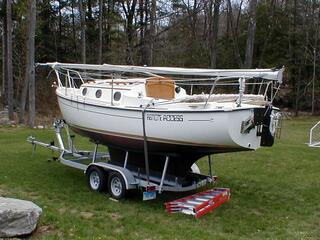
183, 33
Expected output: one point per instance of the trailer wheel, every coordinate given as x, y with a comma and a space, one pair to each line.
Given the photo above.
96, 179
116, 185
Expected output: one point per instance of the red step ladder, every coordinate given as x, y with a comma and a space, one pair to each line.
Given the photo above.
201, 203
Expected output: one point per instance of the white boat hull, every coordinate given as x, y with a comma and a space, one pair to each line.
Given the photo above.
166, 130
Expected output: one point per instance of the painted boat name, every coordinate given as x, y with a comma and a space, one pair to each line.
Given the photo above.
165, 117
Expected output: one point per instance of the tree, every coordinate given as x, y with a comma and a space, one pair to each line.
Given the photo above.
214, 12
143, 16
59, 42
316, 24
74, 33
83, 31
4, 56
151, 37
234, 30
201, 33
30, 61
100, 31
129, 8
9, 58
29, 80
251, 32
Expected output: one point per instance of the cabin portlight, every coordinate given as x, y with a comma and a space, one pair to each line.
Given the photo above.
98, 93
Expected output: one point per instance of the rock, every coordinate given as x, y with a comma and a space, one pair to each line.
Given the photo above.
4, 117
17, 217
4, 113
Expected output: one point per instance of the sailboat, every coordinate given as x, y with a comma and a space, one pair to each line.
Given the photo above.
159, 112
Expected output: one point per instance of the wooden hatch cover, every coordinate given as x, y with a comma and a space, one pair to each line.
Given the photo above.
160, 88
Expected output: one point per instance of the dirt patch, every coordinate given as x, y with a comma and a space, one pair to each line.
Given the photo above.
115, 217
62, 210
32, 195
46, 230
119, 230
257, 212
86, 215
3, 193
73, 211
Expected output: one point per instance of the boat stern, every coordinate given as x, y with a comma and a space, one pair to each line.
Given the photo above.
257, 127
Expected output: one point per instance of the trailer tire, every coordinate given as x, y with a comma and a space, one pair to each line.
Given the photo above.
96, 179
116, 185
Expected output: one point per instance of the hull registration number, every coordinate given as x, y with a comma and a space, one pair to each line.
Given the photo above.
165, 117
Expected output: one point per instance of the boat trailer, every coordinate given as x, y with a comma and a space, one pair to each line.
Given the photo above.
118, 179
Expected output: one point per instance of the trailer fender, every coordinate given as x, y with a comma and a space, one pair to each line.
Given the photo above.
195, 168
131, 182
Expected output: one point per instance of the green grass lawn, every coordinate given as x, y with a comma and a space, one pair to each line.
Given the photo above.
275, 194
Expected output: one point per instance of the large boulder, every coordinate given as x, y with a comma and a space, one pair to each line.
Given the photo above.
18, 217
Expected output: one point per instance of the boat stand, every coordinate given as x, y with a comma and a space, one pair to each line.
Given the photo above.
99, 168
199, 204
314, 136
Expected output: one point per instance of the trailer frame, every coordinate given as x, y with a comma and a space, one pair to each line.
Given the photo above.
151, 183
